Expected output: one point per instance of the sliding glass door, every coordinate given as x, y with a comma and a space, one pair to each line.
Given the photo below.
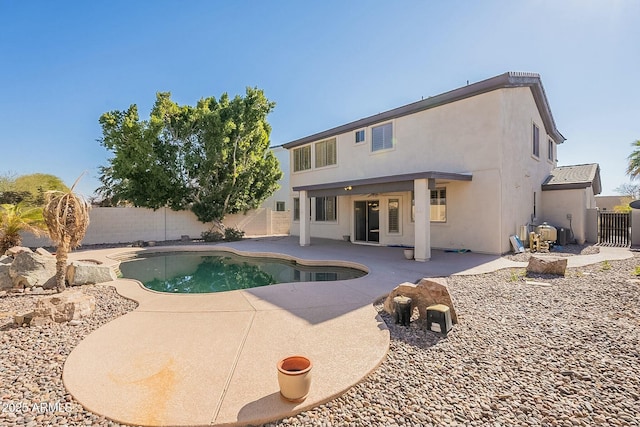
367, 221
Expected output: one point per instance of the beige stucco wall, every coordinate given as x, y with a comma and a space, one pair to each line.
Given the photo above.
488, 135
559, 203
123, 225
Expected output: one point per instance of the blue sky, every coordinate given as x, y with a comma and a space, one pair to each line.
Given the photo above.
324, 63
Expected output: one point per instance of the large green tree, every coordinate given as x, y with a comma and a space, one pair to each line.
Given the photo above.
212, 158
28, 189
633, 168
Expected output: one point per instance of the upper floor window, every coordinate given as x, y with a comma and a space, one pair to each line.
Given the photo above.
302, 158
536, 141
360, 136
550, 151
382, 137
326, 153
280, 207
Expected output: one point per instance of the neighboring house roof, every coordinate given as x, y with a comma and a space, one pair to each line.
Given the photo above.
610, 202
506, 80
575, 176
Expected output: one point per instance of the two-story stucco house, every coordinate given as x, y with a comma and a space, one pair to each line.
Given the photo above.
460, 170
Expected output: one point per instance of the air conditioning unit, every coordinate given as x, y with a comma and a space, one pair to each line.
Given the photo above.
563, 236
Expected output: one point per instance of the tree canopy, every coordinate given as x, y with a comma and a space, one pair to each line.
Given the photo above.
212, 158
28, 189
633, 168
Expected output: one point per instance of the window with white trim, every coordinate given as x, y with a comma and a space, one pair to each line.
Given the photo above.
413, 206
550, 150
302, 158
296, 208
326, 208
536, 141
360, 136
439, 205
394, 215
325, 153
382, 137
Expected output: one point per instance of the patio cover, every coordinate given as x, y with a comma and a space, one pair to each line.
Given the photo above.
382, 184
419, 182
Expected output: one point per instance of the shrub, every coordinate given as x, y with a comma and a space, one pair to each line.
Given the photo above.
233, 234
212, 235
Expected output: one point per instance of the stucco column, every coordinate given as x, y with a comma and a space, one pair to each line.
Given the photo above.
422, 241
305, 221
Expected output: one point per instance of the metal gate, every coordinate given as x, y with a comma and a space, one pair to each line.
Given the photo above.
614, 229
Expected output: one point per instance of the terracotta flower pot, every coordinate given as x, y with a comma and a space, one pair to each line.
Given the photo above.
294, 378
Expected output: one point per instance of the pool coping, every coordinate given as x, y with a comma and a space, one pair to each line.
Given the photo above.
101, 371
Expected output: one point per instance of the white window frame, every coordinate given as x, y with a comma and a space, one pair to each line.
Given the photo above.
301, 160
296, 208
322, 148
384, 145
550, 154
397, 200
364, 136
439, 190
335, 209
535, 141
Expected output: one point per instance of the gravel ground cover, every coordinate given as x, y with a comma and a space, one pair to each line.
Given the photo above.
31, 360
566, 353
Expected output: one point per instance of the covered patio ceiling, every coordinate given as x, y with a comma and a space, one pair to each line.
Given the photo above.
382, 184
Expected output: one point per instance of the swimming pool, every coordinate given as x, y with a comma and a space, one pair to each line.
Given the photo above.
219, 271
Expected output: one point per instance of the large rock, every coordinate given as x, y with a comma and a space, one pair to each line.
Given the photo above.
85, 272
427, 292
6, 282
30, 269
15, 250
547, 265
63, 307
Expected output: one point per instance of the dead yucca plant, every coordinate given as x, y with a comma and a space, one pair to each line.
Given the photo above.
67, 217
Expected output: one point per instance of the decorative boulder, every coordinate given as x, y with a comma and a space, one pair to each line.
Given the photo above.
426, 293
43, 251
30, 269
547, 265
63, 307
6, 282
85, 272
13, 251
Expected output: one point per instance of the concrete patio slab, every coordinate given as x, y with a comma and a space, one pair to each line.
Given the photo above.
209, 359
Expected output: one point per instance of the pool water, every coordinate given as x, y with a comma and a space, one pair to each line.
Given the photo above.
203, 272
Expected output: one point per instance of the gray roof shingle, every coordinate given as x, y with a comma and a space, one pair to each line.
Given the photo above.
574, 176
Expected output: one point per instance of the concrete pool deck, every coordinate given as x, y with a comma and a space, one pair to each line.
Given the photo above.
210, 359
